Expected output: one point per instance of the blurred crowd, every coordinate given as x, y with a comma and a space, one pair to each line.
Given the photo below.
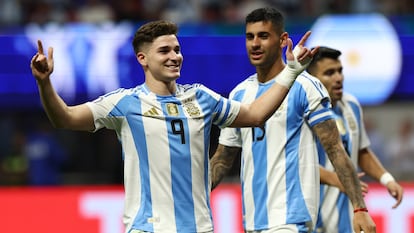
20, 12
34, 153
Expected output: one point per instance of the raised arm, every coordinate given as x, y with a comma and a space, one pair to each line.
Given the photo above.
256, 113
328, 135
61, 115
221, 163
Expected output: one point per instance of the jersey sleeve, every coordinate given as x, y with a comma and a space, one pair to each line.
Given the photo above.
231, 136
103, 107
317, 101
225, 110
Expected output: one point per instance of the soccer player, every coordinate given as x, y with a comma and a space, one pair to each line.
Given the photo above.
164, 128
279, 164
335, 209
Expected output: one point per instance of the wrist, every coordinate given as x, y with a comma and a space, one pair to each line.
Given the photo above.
360, 210
287, 77
386, 178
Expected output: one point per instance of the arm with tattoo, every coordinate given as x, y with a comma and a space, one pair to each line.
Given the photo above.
329, 137
221, 163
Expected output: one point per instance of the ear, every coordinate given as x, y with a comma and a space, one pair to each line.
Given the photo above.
283, 39
141, 58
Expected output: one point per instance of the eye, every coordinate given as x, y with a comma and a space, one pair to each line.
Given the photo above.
329, 72
164, 51
263, 35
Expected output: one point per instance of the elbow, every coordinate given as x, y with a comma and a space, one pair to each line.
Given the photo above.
258, 122
58, 125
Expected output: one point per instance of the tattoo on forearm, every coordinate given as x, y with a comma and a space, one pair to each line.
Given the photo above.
330, 139
221, 163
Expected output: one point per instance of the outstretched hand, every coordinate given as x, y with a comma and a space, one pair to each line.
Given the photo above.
41, 66
299, 57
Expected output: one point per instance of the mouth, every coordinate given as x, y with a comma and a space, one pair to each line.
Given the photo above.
256, 55
337, 89
174, 68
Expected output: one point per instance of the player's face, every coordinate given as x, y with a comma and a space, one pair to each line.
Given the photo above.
264, 46
163, 58
329, 71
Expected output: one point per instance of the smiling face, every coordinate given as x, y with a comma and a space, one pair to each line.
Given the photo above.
329, 72
161, 59
264, 45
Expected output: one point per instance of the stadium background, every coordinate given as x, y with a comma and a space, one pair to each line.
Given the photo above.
93, 56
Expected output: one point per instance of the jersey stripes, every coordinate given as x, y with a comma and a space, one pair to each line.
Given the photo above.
279, 170
165, 144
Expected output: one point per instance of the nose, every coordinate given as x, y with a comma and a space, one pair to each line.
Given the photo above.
255, 42
339, 76
174, 56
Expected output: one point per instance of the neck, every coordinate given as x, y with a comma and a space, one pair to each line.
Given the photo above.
162, 88
265, 74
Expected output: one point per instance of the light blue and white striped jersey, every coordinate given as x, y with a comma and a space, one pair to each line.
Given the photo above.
279, 168
336, 210
165, 144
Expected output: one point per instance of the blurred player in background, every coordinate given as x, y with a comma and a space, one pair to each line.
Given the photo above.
335, 209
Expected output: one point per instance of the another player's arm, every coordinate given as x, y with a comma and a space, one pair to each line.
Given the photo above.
221, 163
369, 163
329, 137
61, 115
330, 178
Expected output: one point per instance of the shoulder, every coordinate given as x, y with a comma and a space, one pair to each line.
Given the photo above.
348, 97
252, 79
352, 102
245, 84
310, 86
188, 88
196, 89
120, 93
308, 80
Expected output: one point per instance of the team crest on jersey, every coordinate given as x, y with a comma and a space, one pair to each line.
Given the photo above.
192, 109
341, 126
351, 122
172, 109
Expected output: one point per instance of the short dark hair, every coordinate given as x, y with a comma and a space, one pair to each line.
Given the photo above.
268, 14
323, 52
148, 32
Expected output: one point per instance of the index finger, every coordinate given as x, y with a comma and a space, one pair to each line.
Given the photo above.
39, 47
304, 38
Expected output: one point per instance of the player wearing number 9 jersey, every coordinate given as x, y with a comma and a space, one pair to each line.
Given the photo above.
165, 142
164, 129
